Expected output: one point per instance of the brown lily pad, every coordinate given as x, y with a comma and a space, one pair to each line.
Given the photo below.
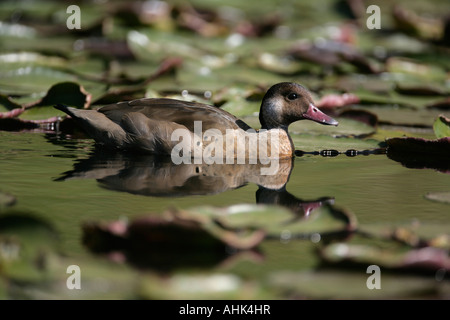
175, 239
441, 104
332, 53
420, 153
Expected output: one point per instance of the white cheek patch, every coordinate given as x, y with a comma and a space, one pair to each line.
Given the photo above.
276, 108
276, 105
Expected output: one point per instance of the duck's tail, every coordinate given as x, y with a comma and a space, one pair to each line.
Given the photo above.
66, 109
96, 125
77, 114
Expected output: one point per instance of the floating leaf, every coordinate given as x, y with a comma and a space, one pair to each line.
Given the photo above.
415, 68
6, 199
369, 118
27, 244
420, 153
411, 23
277, 220
419, 90
427, 258
11, 114
332, 53
398, 116
202, 287
337, 284
281, 65
335, 100
346, 128
175, 239
27, 80
439, 196
441, 127
7, 104
441, 104
69, 93
309, 143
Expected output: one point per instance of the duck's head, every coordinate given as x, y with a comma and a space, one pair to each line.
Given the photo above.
287, 102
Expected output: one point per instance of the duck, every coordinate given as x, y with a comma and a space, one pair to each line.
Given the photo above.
189, 130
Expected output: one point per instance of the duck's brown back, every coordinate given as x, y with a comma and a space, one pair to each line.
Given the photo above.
180, 112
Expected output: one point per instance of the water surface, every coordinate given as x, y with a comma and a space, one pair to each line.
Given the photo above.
66, 183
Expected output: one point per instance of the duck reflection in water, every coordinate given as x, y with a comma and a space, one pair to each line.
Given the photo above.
160, 244
155, 176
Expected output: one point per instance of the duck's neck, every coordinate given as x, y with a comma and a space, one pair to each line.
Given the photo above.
285, 145
271, 121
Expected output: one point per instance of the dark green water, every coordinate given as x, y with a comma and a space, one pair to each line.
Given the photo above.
381, 193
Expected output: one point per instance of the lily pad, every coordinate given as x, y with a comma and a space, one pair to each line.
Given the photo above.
311, 143
175, 239
27, 246
415, 234
394, 98
439, 196
6, 199
427, 258
415, 68
276, 221
24, 80
420, 153
202, 287
7, 104
398, 116
336, 284
68, 93
346, 128
442, 127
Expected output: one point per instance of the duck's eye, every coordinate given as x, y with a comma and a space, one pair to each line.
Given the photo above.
292, 96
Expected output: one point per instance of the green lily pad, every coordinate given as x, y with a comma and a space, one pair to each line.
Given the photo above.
28, 245
97, 280
157, 45
346, 128
7, 104
393, 98
276, 221
11, 61
336, 284
310, 143
427, 258
31, 80
415, 233
415, 68
201, 287
281, 65
68, 93
398, 116
442, 127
